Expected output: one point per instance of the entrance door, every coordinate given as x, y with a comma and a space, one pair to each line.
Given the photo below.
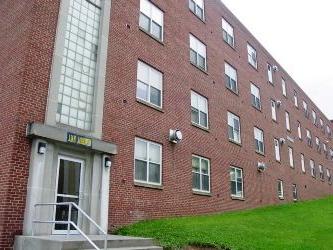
69, 187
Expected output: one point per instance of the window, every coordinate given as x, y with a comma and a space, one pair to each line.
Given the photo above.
199, 110
295, 99
314, 117
303, 163
231, 77
328, 129
299, 130
331, 153
321, 122
270, 73
291, 157
148, 162
228, 33
149, 84
234, 128
259, 140
284, 88
277, 150
328, 173
200, 174
280, 189
305, 107
312, 168
325, 150
321, 172
78, 69
295, 195
236, 181
308, 137
287, 121
317, 143
197, 53
151, 19
273, 106
255, 96
197, 7
252, 56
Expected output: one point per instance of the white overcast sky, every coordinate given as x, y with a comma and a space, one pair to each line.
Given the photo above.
299, 35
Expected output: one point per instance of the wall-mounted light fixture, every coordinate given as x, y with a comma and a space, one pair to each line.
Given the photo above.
175, 136
41, 148
107, 162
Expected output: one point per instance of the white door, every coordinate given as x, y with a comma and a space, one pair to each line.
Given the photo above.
69, 187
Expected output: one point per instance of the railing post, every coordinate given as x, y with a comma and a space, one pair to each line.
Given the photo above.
69, 218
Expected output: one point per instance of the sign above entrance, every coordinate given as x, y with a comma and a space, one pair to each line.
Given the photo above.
79, 140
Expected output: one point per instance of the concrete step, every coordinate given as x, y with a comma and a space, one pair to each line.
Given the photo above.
133, 248
77, 242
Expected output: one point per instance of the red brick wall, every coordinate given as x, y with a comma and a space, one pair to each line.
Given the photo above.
27, 29
125, 118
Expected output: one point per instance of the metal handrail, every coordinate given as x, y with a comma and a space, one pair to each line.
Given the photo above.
69, 222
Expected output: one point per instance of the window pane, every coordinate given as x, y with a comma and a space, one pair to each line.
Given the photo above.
195, 115
196, 164
154, 173
196, 180
155, 96
193, 57
239, 189
204, 166
144, 22
205, 182
156, 30
140, 170
232, 174
142, 91
233, 188
140, 150
203, 119
154, 153
201, 62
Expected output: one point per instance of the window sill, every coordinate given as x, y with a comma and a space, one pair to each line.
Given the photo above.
281, 198
253, 67
236, 198
236, 143
278, 161
148, 34
256, 108
275, 121
147, 185
232, 91
197, 67
197, 192
150, 105
260, 153
200, 127
202, 20
229, 45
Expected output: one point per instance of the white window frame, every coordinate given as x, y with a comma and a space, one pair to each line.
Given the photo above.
270, 73
277, 150
321, 172
236, 181
309, 137
288, 121
198, 4
321, 122
284, 87
305, 107
200, 173
303, 163
201, 99
231, 74
259, 133
200, 49
228, 32
312, 168
150, 82
252, 57
273, 108
317, 143
255, 96
148, 160
291, 157
295, 193
154, 14
299, 130
314, 117
295, 99
280, 189
231, 118
329, 175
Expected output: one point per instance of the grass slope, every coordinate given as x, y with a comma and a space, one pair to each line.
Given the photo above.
303, 225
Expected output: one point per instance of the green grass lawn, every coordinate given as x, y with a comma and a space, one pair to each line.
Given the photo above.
303, 225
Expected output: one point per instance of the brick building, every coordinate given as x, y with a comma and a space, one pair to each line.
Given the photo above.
90, 89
